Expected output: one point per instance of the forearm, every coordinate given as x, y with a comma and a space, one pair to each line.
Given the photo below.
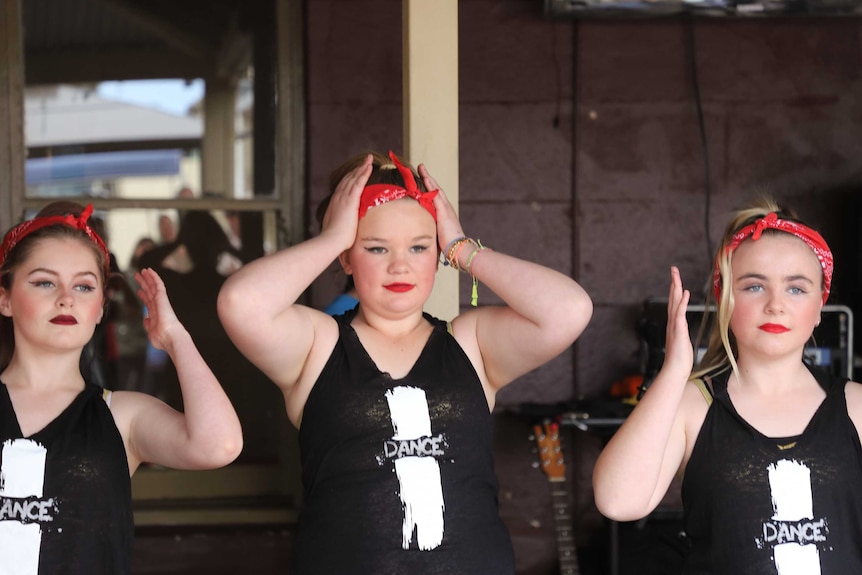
213, 435
635, 468
269, 285
552, 301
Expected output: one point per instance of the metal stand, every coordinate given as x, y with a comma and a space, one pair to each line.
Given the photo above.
583, 422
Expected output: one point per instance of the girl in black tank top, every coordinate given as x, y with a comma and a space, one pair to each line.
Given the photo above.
68, 447
393, 407
769, 448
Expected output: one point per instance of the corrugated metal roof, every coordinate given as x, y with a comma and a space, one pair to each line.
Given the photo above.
66, 115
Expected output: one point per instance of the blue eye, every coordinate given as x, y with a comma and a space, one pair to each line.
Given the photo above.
42, 283
85, 288
376, 250
797, 290
418, 249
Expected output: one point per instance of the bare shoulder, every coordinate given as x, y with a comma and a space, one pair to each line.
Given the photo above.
286, 353
129, 407
124, 405
464, 330
296, 389
853, 393
695, 402
463, 327
326, 333
697, 396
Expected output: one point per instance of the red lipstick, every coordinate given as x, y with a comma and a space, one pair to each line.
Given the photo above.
399, 287
774, 328
64, 320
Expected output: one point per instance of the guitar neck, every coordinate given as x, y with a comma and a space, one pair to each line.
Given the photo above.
551, 458
563, 522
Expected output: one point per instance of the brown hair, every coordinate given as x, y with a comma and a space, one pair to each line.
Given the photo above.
21, 252
383, 171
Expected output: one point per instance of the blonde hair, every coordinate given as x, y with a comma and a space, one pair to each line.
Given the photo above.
721, 350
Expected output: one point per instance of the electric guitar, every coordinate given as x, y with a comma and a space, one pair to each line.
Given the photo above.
553, 464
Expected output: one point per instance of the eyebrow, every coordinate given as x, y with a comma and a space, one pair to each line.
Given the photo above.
383, 240
54, 273
792, 278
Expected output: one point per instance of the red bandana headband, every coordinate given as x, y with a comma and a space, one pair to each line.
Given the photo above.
24, 229
771, 221
378, 194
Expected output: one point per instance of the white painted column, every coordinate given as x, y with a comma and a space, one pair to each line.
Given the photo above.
430, 52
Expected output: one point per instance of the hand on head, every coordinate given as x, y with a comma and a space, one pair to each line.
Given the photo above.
448, 224
342, 215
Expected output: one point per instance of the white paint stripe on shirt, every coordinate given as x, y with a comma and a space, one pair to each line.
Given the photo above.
792, 500
421, 488
22, 475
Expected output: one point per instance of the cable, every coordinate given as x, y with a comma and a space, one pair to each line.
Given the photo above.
557, 73
691, 51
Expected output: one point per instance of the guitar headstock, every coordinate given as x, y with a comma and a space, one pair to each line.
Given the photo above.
550, 453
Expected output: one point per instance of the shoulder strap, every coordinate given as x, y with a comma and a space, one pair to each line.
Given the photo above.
106, 396
827, 380
705, 386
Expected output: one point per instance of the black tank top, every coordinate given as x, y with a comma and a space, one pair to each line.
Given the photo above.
775, 506
398, 474
65, 497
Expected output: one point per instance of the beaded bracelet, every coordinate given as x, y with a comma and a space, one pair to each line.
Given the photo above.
454, 254
449, 247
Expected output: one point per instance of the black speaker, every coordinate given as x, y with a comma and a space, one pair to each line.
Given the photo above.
655, 545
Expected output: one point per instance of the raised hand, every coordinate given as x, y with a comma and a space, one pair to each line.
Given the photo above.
342, 214
678, 348
161, 321
448, 224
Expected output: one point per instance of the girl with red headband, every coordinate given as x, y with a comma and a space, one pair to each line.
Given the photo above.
767, 446
394, 406
69, 447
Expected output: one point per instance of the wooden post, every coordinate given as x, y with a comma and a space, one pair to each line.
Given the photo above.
217, 151
430, 32
12, 145
291, 179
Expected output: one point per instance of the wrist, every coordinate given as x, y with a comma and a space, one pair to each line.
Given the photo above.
460, 255
174, 337
337, 241
455, 253
449, 246
464, 253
